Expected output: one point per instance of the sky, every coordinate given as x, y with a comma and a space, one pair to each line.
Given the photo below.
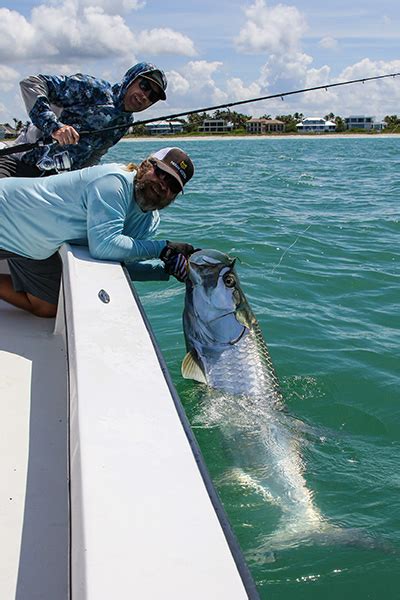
212, 51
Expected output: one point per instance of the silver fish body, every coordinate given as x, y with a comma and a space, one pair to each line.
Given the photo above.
223, 337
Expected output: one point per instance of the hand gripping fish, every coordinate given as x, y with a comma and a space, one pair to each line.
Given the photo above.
227, 352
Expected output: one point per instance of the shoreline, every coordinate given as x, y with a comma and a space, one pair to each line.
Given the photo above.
207, 138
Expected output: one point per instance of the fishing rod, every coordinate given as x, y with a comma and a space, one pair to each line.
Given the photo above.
239, 102
282, 95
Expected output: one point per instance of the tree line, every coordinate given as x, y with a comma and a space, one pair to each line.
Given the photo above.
238, 120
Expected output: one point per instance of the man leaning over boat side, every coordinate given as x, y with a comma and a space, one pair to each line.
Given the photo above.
62, 106
110, 208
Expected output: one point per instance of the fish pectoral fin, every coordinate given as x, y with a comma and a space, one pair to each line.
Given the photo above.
191, 368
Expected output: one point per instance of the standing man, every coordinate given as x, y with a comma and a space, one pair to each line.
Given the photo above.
110, 208
60, 107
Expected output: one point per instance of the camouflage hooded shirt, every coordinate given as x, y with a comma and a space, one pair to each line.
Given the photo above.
85, 103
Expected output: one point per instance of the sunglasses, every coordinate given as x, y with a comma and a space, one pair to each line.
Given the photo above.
169, 179
144, 85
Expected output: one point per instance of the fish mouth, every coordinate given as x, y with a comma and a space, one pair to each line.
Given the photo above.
210, 258
241, 334
231, 312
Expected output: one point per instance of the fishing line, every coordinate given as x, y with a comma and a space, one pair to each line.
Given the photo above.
299, 235
27, 147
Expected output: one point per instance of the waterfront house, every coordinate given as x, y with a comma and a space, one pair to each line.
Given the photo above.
7, 132
367, 123
315, 125
164, 127
215, 126
262, 126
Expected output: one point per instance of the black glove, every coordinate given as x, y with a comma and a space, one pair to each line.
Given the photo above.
177, 265
173, 248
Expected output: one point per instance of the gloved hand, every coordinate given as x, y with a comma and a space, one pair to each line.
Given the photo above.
173, 248
177, 265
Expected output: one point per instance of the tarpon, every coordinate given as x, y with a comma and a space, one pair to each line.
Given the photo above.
227, 352
226, 348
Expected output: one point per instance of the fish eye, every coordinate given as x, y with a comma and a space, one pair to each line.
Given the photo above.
229, 280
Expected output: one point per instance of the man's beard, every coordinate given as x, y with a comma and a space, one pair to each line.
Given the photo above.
146, 198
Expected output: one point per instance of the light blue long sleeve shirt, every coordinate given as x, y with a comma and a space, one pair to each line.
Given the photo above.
95, 206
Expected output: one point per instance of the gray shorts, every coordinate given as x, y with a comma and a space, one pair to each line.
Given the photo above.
10, 166
41, 278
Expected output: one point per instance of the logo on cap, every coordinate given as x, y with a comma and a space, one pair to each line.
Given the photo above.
180, 168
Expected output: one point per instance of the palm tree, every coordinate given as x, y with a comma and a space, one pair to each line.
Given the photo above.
392, 120
196, 120
340, 124
17, 124
290, 122
238, 119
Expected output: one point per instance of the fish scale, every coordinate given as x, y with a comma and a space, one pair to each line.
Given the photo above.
241, 369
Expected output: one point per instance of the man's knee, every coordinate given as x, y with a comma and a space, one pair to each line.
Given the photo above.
45, 311
41, 308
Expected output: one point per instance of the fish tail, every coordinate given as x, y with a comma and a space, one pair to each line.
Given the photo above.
325, 534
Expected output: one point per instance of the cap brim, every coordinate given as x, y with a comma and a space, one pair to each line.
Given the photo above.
161, 92
168, 170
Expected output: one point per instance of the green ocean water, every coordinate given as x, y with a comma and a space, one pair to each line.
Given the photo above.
315, 224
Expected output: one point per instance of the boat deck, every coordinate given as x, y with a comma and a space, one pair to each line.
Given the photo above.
103, 489
33, 458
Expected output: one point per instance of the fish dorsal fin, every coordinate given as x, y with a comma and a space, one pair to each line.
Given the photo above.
191, 368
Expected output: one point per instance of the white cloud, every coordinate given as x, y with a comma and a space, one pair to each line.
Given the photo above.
202, 70
275, 29
278, 30
165, 40
177, 84
371, 68
17, 35
200, 74
62, 32
324, 100
289, 68
196, 82
8, 78
328, 42
377, 98
78, 30
237, 90
90, 33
